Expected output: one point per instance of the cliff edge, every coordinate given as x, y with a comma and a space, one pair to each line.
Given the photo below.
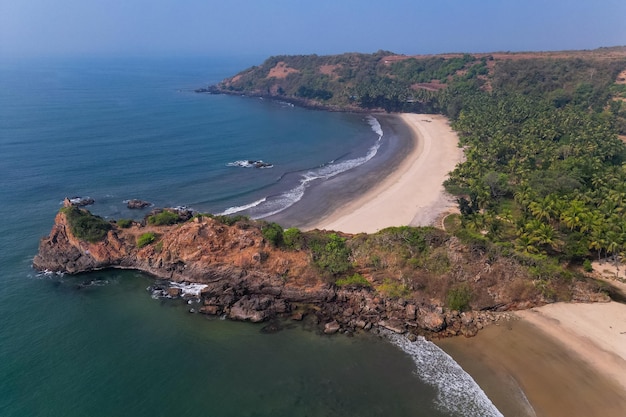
248, 275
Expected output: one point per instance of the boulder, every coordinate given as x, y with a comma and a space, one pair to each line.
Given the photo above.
394, 325
432, 321
137, 204
211, 310
332, 327
410, 311
78, 201
174, 292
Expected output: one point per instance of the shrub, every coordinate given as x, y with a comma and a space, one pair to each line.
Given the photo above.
163, 218
293, 239
331, 254
273, 233
587, 266
145, 239
356, 280
458, 297
85, 225
231, 220
124, 223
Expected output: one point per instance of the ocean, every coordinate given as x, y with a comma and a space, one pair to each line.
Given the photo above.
100, 344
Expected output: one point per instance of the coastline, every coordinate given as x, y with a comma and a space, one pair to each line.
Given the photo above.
413, 193
322, 199
545, 363
556, 360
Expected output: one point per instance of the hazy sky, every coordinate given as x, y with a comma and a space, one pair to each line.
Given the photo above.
271, 27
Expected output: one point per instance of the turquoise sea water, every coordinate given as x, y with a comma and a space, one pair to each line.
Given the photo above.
98, 344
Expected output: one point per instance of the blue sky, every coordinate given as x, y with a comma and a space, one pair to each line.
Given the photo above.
272, 27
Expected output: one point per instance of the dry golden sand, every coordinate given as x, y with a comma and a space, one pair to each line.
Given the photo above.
413, 194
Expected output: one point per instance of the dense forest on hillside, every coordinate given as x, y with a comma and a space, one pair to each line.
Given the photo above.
545, 174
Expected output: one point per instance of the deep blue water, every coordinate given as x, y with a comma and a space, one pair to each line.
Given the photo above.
98, 344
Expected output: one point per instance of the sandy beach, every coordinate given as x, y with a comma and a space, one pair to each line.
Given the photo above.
557, 360
413, 193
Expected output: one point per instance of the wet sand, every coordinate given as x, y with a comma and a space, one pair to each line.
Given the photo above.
530, 370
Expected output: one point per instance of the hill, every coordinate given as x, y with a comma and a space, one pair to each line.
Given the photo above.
430, 83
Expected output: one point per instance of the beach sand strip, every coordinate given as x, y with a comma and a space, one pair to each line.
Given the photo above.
413, 193
557, 360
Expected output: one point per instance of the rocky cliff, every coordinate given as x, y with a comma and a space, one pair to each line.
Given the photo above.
248, 278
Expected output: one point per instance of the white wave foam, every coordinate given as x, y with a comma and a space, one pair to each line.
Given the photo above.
189, 288
333, 168
457, 392
48, 273
236, 209
250, 164
376, 127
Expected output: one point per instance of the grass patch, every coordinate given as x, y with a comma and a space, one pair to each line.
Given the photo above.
393, 289
452, 223
356, 280
86, 226
231, 220
124, 223
146, 239
163, 218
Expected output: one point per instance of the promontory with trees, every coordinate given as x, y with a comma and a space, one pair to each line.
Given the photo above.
541, 194
543, 132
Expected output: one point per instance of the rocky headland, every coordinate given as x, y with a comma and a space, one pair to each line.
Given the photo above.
248, 276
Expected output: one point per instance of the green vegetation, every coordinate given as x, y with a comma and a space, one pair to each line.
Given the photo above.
551, 180
459, 297
85, 225
439, 84
124, 223
146, 239
273, 233
331, 254
393, 289
164, 218
356, 280
293, 239
542, 187
231, 220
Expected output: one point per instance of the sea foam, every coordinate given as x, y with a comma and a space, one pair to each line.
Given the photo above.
270, 206
188, 289
233, 210
457, 392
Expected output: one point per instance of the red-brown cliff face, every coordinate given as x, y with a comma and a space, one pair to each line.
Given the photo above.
248, 278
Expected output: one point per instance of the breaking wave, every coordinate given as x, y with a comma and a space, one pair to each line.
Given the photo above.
268, 206
457, 392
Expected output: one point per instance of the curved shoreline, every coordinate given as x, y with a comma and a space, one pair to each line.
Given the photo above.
324, 198
563, 359
401, 185
413, 193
